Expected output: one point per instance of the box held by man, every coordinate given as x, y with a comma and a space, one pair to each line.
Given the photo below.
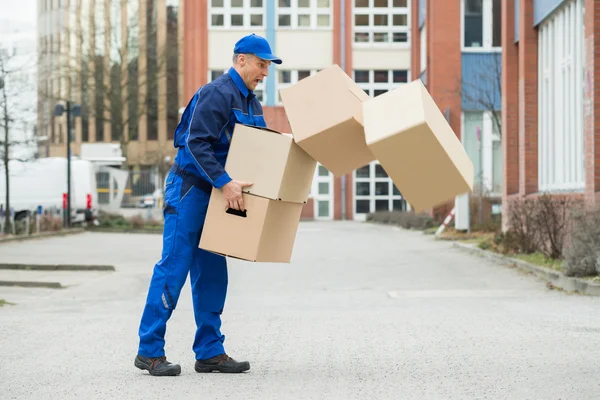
278, 168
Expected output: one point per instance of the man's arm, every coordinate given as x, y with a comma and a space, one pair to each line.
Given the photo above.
210, 115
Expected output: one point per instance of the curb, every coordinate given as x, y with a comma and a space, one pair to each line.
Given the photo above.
570, 284
126, 230
29, 284
55, 267
43, 235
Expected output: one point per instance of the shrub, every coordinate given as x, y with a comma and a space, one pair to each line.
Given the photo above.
407, 220
50, 223
111, 220
137, 221
521, 225
582, 252
552, 222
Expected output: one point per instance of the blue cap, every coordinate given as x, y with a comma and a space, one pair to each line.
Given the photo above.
256, 45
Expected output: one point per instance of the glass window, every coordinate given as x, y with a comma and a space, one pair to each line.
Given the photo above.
363, 206
323, 187
217, 3
303, 20
381, 3
237, 20
285, 3
323, 3
361, 3
303, 3
323, 20
473, 23
380, 172
323, 208
399, 205
400, 3
256, 3
472, 136
217, 20
497, 23
381, 76
237, 3
382, 205
323, 171
361, 20
303, 74
256, 20
380, 20
285, 20
363, 172
400, 76
400, 20
363, 188
382, 188
361, 76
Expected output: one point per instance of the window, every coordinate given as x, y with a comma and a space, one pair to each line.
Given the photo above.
560, 100
307, 14
481, 24
259, 91
236, 13
381, 21
423, 47
482, 141
375, 191
376, 82
287, 78
322, 193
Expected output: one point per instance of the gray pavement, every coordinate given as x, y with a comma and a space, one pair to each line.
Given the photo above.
362, 312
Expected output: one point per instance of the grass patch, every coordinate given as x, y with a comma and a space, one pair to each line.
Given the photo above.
4, 302
540, 259
431, 231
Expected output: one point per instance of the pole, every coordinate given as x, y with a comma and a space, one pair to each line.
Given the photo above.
343, 66
68, 218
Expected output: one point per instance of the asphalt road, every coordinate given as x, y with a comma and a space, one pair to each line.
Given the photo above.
362, 312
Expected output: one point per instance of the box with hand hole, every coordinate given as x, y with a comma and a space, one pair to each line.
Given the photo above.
282, 174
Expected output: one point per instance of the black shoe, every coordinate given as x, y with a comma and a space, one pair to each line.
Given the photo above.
222, 363
158, 366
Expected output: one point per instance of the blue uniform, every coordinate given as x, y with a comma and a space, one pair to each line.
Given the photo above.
202, 138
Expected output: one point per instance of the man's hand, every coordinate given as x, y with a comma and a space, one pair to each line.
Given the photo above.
233, 194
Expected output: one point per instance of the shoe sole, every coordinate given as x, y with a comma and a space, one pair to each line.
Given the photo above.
173, 371
245, 366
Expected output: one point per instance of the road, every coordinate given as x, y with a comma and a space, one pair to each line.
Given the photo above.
362, 312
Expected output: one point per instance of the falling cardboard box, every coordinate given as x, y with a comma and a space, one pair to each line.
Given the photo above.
282, 174
325, 113
416, 146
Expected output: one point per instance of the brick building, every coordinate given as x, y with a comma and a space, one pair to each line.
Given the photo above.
369, 39
456, 50
551, 65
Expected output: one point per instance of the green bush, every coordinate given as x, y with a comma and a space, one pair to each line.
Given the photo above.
582, 253
407, 220
109, 220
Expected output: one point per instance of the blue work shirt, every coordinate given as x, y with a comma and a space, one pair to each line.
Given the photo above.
204, 133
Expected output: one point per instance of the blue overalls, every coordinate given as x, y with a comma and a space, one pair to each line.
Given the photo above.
202, 137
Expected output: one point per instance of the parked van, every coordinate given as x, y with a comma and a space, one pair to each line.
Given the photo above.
43, 182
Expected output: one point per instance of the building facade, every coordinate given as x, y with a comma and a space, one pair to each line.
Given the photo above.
550, 96
457, 53
369, 39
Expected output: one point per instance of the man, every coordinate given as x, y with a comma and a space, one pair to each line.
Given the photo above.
202, 137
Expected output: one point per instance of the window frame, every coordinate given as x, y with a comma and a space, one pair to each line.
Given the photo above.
371, 29
372, 197
294, 11
371, 86
293, 80
227, 11
487, 29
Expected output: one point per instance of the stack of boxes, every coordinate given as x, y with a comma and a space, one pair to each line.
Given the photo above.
335, 123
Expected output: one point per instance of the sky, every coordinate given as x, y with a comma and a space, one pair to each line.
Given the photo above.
20, 10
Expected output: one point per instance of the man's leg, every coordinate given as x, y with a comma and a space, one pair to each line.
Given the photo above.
181, 215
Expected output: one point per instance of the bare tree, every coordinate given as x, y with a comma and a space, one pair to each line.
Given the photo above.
15, 80
112, 68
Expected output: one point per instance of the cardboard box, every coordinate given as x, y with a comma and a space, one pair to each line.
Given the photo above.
282, 175
277, 166
416, 146
266, 232
325, 113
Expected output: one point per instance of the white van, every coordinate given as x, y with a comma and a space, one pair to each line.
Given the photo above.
43, 182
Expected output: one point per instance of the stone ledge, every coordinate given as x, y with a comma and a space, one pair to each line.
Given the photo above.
557, 279
43, 235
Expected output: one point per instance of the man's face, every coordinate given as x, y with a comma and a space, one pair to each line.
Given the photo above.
253, 70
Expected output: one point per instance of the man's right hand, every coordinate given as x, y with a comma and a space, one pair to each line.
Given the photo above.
233, 194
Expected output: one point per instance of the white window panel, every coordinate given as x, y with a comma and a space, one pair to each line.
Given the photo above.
423, 47
560, 100
482, 142
236, 14
304, 14
288, 77
373, 190
381, 22
376, 82
481, 26
260, 92
322, 193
